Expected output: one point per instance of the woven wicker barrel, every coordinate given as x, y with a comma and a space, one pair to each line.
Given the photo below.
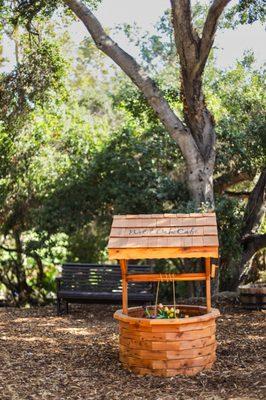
167, 347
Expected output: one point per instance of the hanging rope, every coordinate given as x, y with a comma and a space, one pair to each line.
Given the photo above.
156, 298
174, 297
167, 277
157, 293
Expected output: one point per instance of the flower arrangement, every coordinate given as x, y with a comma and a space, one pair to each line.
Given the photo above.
164, 312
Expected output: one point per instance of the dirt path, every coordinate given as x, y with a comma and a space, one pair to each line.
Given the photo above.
75, 357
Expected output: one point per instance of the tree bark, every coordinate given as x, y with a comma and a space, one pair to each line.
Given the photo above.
200, 180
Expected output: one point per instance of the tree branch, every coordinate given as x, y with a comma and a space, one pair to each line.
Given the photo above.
186, 37
254, 242
136, 73
209, 30
230, 179
10, 250
251, 244
243, 194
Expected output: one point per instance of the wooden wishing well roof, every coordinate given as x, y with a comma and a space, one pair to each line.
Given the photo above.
163, 236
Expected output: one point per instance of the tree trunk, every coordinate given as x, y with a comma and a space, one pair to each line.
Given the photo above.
200, 167
251, 241
200, 182
23, 289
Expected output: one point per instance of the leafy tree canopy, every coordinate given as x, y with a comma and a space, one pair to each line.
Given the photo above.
40, 70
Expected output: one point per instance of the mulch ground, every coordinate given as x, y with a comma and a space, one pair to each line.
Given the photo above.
74, 357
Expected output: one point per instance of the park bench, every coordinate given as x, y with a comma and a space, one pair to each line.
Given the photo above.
85, 283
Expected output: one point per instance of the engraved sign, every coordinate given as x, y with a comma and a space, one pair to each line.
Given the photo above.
162, 231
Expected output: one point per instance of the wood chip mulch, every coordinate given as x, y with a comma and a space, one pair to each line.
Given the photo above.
75, 357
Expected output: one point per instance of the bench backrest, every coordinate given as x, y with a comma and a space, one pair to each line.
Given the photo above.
102, 278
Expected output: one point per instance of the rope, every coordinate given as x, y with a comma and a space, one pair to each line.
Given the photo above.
156, 298
167, 277
174, 297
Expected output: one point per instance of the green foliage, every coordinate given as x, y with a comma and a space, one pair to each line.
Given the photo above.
141, 162
6, 151
246, 12
135, 103
230, 217
153, 49
40, 71
26, 12
237, 99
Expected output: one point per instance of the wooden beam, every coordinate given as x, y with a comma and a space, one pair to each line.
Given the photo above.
123, 265
162, 252
208, 283
166, 277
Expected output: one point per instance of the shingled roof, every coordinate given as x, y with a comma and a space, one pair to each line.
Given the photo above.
163, 236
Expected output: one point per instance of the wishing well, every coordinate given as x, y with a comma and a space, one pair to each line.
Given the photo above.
150, 343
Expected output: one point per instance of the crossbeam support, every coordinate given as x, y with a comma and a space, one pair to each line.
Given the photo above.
165, 277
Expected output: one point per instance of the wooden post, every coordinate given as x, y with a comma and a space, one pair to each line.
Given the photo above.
123, 265
208, 283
